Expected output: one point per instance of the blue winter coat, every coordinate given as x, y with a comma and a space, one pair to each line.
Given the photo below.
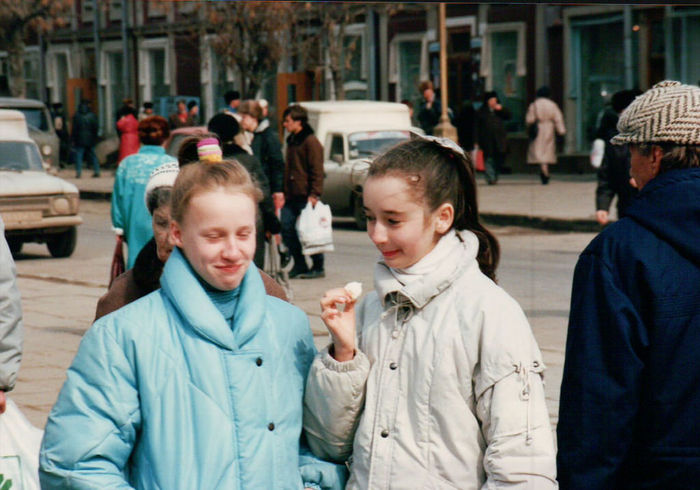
163, 393
129, 211
629, 413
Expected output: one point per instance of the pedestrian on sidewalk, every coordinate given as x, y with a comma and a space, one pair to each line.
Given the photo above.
147, 111
128, 126
545, 113
303, 183
84, 137
200, 382
130, 217
629, 411
440, 383
614, 172
491, 135
181, 117
11, 327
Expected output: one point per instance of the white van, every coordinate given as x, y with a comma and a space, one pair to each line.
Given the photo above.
352, 132
35, 206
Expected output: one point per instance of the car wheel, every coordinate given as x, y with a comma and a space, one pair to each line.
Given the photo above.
63, 244
15, 245
358, 211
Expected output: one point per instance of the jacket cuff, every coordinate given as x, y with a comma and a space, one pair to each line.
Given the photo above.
359, 362
118, 231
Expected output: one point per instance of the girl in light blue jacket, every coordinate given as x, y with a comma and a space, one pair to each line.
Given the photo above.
198, 385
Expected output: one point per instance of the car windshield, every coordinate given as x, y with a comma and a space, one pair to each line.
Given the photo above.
370, 143
36, 118
18, 155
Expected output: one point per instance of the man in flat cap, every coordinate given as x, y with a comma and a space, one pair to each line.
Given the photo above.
629, 413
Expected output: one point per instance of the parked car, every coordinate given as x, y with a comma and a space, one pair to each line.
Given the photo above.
352, 133
40, 126
35, 206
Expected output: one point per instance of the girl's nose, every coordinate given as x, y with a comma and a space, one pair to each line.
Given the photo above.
230, 250
377, 232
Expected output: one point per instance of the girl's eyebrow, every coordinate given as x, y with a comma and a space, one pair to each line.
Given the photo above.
386, 211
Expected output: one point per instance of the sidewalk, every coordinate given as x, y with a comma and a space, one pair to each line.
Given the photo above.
566, 204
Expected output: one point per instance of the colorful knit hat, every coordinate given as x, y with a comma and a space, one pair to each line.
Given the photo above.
667, 112
209, 150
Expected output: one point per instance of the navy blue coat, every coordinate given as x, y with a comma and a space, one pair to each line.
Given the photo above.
629, 414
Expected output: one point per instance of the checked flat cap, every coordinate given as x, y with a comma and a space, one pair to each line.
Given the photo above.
667, 112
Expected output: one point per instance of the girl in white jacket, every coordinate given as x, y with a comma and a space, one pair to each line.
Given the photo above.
440, 384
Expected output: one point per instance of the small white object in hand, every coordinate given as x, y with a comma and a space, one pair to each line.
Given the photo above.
354, 289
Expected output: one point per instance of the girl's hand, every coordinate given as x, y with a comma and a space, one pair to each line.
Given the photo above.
340, 323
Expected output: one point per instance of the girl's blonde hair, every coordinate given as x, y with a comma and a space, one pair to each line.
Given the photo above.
200, 177
435, 175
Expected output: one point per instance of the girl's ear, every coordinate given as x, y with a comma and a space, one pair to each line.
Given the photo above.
445, 215
175, 233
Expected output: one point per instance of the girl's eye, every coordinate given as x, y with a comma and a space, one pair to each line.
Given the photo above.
369, 218
393, 222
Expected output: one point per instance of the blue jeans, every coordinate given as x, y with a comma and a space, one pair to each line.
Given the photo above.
290, 212
89, 153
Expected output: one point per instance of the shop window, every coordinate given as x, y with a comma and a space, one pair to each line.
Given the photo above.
409, 67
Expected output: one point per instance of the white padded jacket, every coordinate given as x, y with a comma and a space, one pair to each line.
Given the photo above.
445, 390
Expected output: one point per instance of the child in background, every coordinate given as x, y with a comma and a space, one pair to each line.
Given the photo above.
440, 384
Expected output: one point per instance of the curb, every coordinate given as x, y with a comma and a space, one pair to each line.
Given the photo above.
542, 223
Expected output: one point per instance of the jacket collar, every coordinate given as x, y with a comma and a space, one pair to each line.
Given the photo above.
154, 149
420, 292
186, 295
298, 138
264, 124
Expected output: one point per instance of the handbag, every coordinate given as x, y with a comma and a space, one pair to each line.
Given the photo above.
118, 266
478, 160
533, 128
315, 230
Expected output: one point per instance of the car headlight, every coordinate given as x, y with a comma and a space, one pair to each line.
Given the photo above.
65, 205
46, 150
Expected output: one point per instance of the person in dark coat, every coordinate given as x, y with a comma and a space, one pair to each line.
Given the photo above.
629, 411
614, 171
84, 137
58, 116
227, 129
491, 135
266, 147
429, 109
303, 183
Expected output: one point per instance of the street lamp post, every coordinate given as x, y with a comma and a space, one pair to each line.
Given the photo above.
444, 128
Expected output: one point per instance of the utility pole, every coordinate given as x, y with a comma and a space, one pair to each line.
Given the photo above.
444, 128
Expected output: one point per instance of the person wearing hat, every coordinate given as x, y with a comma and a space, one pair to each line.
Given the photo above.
629, 410
147, 111
491, 135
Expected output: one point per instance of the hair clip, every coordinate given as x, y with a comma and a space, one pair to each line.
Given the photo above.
444, 142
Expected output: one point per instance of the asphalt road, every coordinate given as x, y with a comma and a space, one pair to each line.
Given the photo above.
59, 296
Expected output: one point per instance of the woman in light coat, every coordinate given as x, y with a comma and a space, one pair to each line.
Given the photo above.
543, 150
199, 384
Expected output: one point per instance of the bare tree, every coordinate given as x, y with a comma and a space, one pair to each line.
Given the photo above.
250, 36
18, 18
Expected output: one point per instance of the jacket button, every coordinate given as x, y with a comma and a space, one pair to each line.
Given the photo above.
385, 433
393, 366
270, 426
258, 361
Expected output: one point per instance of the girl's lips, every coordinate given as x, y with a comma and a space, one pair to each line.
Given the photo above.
390, 253
230, 269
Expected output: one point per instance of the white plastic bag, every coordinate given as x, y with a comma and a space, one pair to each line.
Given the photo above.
20, 442
315, 229
597, 152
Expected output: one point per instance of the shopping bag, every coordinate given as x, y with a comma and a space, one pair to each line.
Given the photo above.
315, 230
118, 265
20, 442
597, 153
478, 160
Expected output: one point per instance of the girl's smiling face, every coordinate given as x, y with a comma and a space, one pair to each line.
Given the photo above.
402, 228
217, 235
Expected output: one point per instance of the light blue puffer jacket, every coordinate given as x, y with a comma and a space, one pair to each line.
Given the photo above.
163, 393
